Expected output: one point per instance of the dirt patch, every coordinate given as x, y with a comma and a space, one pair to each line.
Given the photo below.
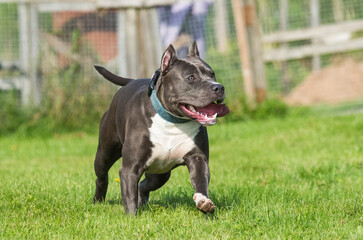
337, 83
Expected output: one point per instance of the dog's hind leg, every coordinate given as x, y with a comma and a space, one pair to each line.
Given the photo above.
108, 152
151, 183
103, 162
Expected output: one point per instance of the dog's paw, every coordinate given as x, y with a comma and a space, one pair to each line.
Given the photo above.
203, 203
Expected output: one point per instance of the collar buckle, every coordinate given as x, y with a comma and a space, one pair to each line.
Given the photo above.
152, 83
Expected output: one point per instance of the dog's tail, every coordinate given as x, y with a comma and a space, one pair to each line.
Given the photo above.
112, 77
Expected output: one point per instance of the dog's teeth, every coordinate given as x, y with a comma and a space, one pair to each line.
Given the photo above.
212, 117
192, 108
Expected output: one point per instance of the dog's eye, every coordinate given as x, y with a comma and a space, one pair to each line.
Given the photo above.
191, 78
213, 75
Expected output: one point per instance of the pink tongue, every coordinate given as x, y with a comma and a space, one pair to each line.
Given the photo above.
211, 109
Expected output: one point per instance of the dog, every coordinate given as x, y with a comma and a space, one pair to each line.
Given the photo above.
157, 125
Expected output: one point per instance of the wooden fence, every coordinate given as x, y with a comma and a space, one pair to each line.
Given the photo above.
323, 40
256, 49
139, 44
138, 40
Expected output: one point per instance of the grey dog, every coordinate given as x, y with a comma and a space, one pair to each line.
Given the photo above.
157, 125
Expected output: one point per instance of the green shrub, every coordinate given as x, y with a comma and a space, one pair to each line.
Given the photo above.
270, 108
73, 97
12, 114
9, 49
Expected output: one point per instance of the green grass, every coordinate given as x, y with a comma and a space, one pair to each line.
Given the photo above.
287, 178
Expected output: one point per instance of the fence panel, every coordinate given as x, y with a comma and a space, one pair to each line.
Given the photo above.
307, 44
298, 38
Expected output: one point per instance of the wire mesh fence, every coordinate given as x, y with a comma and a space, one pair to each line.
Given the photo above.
57, 44
322, 40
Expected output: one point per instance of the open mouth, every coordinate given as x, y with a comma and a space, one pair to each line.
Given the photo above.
208, 114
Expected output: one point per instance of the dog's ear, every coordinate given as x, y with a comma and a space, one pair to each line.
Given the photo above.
168, 59
193, 50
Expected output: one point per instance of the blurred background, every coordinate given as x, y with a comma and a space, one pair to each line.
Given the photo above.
271, 55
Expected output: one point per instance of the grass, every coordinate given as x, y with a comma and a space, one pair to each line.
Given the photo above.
287, 178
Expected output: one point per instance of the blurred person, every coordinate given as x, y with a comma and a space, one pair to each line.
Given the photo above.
184, 17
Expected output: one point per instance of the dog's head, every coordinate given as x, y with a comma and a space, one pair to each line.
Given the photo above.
188, 87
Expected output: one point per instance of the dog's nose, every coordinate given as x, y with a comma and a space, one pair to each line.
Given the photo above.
217, 88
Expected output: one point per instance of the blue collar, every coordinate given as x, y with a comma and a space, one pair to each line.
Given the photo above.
162, 111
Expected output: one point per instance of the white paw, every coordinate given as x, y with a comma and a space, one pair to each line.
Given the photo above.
203, 203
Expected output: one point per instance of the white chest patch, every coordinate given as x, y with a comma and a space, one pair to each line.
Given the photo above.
171, 142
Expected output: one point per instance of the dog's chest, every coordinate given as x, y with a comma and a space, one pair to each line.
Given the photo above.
171, 142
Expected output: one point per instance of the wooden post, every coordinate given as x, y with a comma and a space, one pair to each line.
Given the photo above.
315, 21
29, 48
121, 44
240, 24
34, 73
149, 40
132, 43
155, 49
255, 43
158, 46
250, 50
141, 45
284, 10
338, 8
221, 25
24, 46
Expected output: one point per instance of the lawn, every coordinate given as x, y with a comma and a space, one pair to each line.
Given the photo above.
293, 178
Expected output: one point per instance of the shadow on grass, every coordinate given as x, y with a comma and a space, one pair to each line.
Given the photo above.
114, 202
182, 197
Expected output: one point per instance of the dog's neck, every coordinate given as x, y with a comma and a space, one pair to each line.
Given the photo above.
159, 109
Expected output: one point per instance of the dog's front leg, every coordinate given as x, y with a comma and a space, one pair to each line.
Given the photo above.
129, 179
199, 176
